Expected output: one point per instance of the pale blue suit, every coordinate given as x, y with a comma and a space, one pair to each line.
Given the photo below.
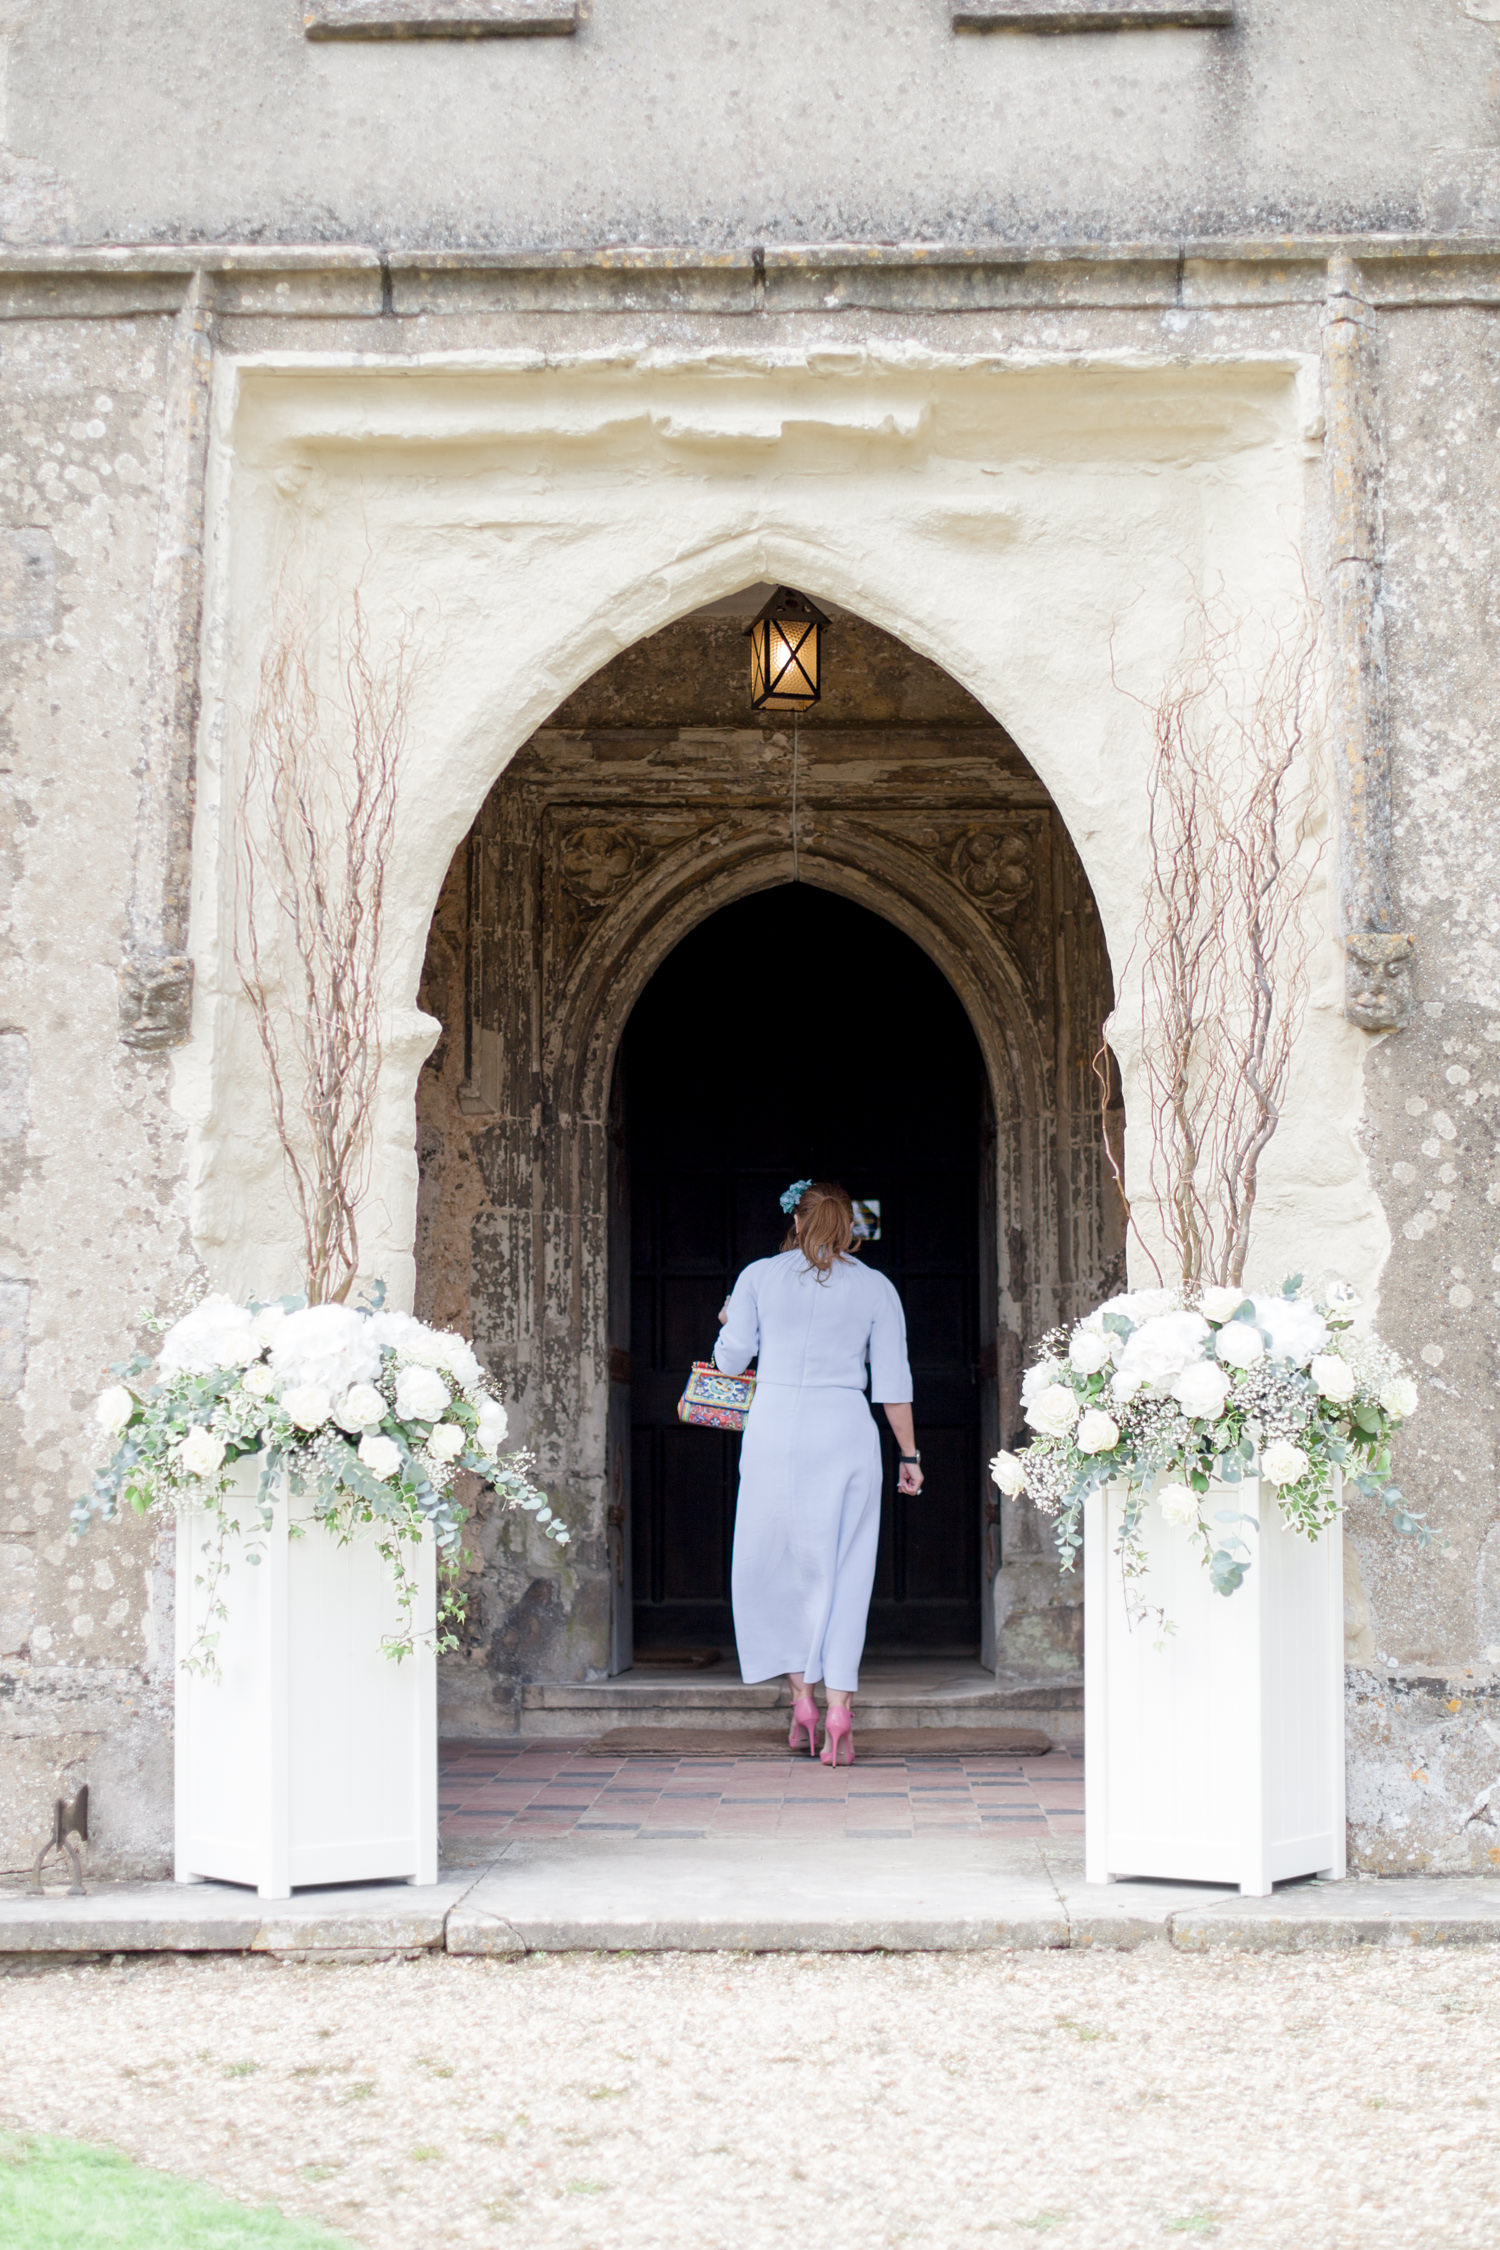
809, 1507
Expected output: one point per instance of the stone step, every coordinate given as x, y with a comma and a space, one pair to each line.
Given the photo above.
935, 1696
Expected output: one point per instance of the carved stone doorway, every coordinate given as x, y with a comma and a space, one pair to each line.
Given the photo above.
652, 799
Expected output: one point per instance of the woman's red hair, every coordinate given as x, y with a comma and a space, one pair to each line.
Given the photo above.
827, 1225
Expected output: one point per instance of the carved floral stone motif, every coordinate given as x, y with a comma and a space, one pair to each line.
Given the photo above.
595, 862
995, 869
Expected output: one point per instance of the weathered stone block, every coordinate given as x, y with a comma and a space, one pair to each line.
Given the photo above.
15, 1304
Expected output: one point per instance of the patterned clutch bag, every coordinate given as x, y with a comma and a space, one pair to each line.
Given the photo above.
715, 1401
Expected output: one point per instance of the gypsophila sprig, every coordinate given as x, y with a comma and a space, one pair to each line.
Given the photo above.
370, 1413
1164, 1394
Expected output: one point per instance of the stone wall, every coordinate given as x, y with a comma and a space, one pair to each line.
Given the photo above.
91, 1164
749, 122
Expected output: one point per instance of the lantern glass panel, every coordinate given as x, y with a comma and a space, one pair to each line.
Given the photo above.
784, 656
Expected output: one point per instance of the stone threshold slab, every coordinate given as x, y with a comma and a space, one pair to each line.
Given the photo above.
761, 1894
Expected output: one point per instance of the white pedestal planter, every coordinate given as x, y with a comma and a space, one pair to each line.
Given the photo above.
1215, 1753
312, 1756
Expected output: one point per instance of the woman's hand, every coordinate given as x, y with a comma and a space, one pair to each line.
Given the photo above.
909, 1475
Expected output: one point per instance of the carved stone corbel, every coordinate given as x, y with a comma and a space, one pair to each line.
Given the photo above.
156, 976
1378, 956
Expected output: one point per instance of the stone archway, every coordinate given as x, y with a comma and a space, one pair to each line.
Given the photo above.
619, 827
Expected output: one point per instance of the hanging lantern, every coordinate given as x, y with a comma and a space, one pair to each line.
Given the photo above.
786, 653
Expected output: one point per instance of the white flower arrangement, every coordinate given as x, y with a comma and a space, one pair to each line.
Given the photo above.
1164, 1394
371, 1412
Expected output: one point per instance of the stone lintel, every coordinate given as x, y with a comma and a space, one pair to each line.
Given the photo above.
356, 280
440, 19
1092, 15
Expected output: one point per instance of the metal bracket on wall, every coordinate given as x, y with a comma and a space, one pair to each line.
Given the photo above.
70, 1828
1378, 955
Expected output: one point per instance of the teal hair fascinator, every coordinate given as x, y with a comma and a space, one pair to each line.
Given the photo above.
794, 1195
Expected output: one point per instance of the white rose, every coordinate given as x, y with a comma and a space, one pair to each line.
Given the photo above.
1097, 1432
308, 1405
1009, 1474
1296, 1330
1161, 1348
380, 1455
327, 1345
258, 1380
218, 1333
1178, 1503
1201, 1391
1089, 1351
202, 1452
1036, 1380
359, 1408
1220, 1304
421, 1394
1053, 1411
1283, 1463
493, 1424
1334, 1377
447, 1441
113, 1409
1400, 1397
1239, 1345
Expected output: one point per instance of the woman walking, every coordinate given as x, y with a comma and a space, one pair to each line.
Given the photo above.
809, 1504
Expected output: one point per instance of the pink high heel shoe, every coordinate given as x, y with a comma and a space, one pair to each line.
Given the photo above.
838, 1731
804, 1721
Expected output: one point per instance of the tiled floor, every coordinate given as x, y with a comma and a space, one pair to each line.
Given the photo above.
492, 1794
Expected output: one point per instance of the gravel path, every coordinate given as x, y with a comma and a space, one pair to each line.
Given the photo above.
723, 2102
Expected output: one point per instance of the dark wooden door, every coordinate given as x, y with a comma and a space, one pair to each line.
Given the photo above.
791, 1034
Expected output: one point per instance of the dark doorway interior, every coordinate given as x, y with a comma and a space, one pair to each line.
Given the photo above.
796, 1033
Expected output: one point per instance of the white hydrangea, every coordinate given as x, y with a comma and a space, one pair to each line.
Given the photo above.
1009, 1474
1297, 1330
1162, 1347
218, 1333
417, 1345
330, 1346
